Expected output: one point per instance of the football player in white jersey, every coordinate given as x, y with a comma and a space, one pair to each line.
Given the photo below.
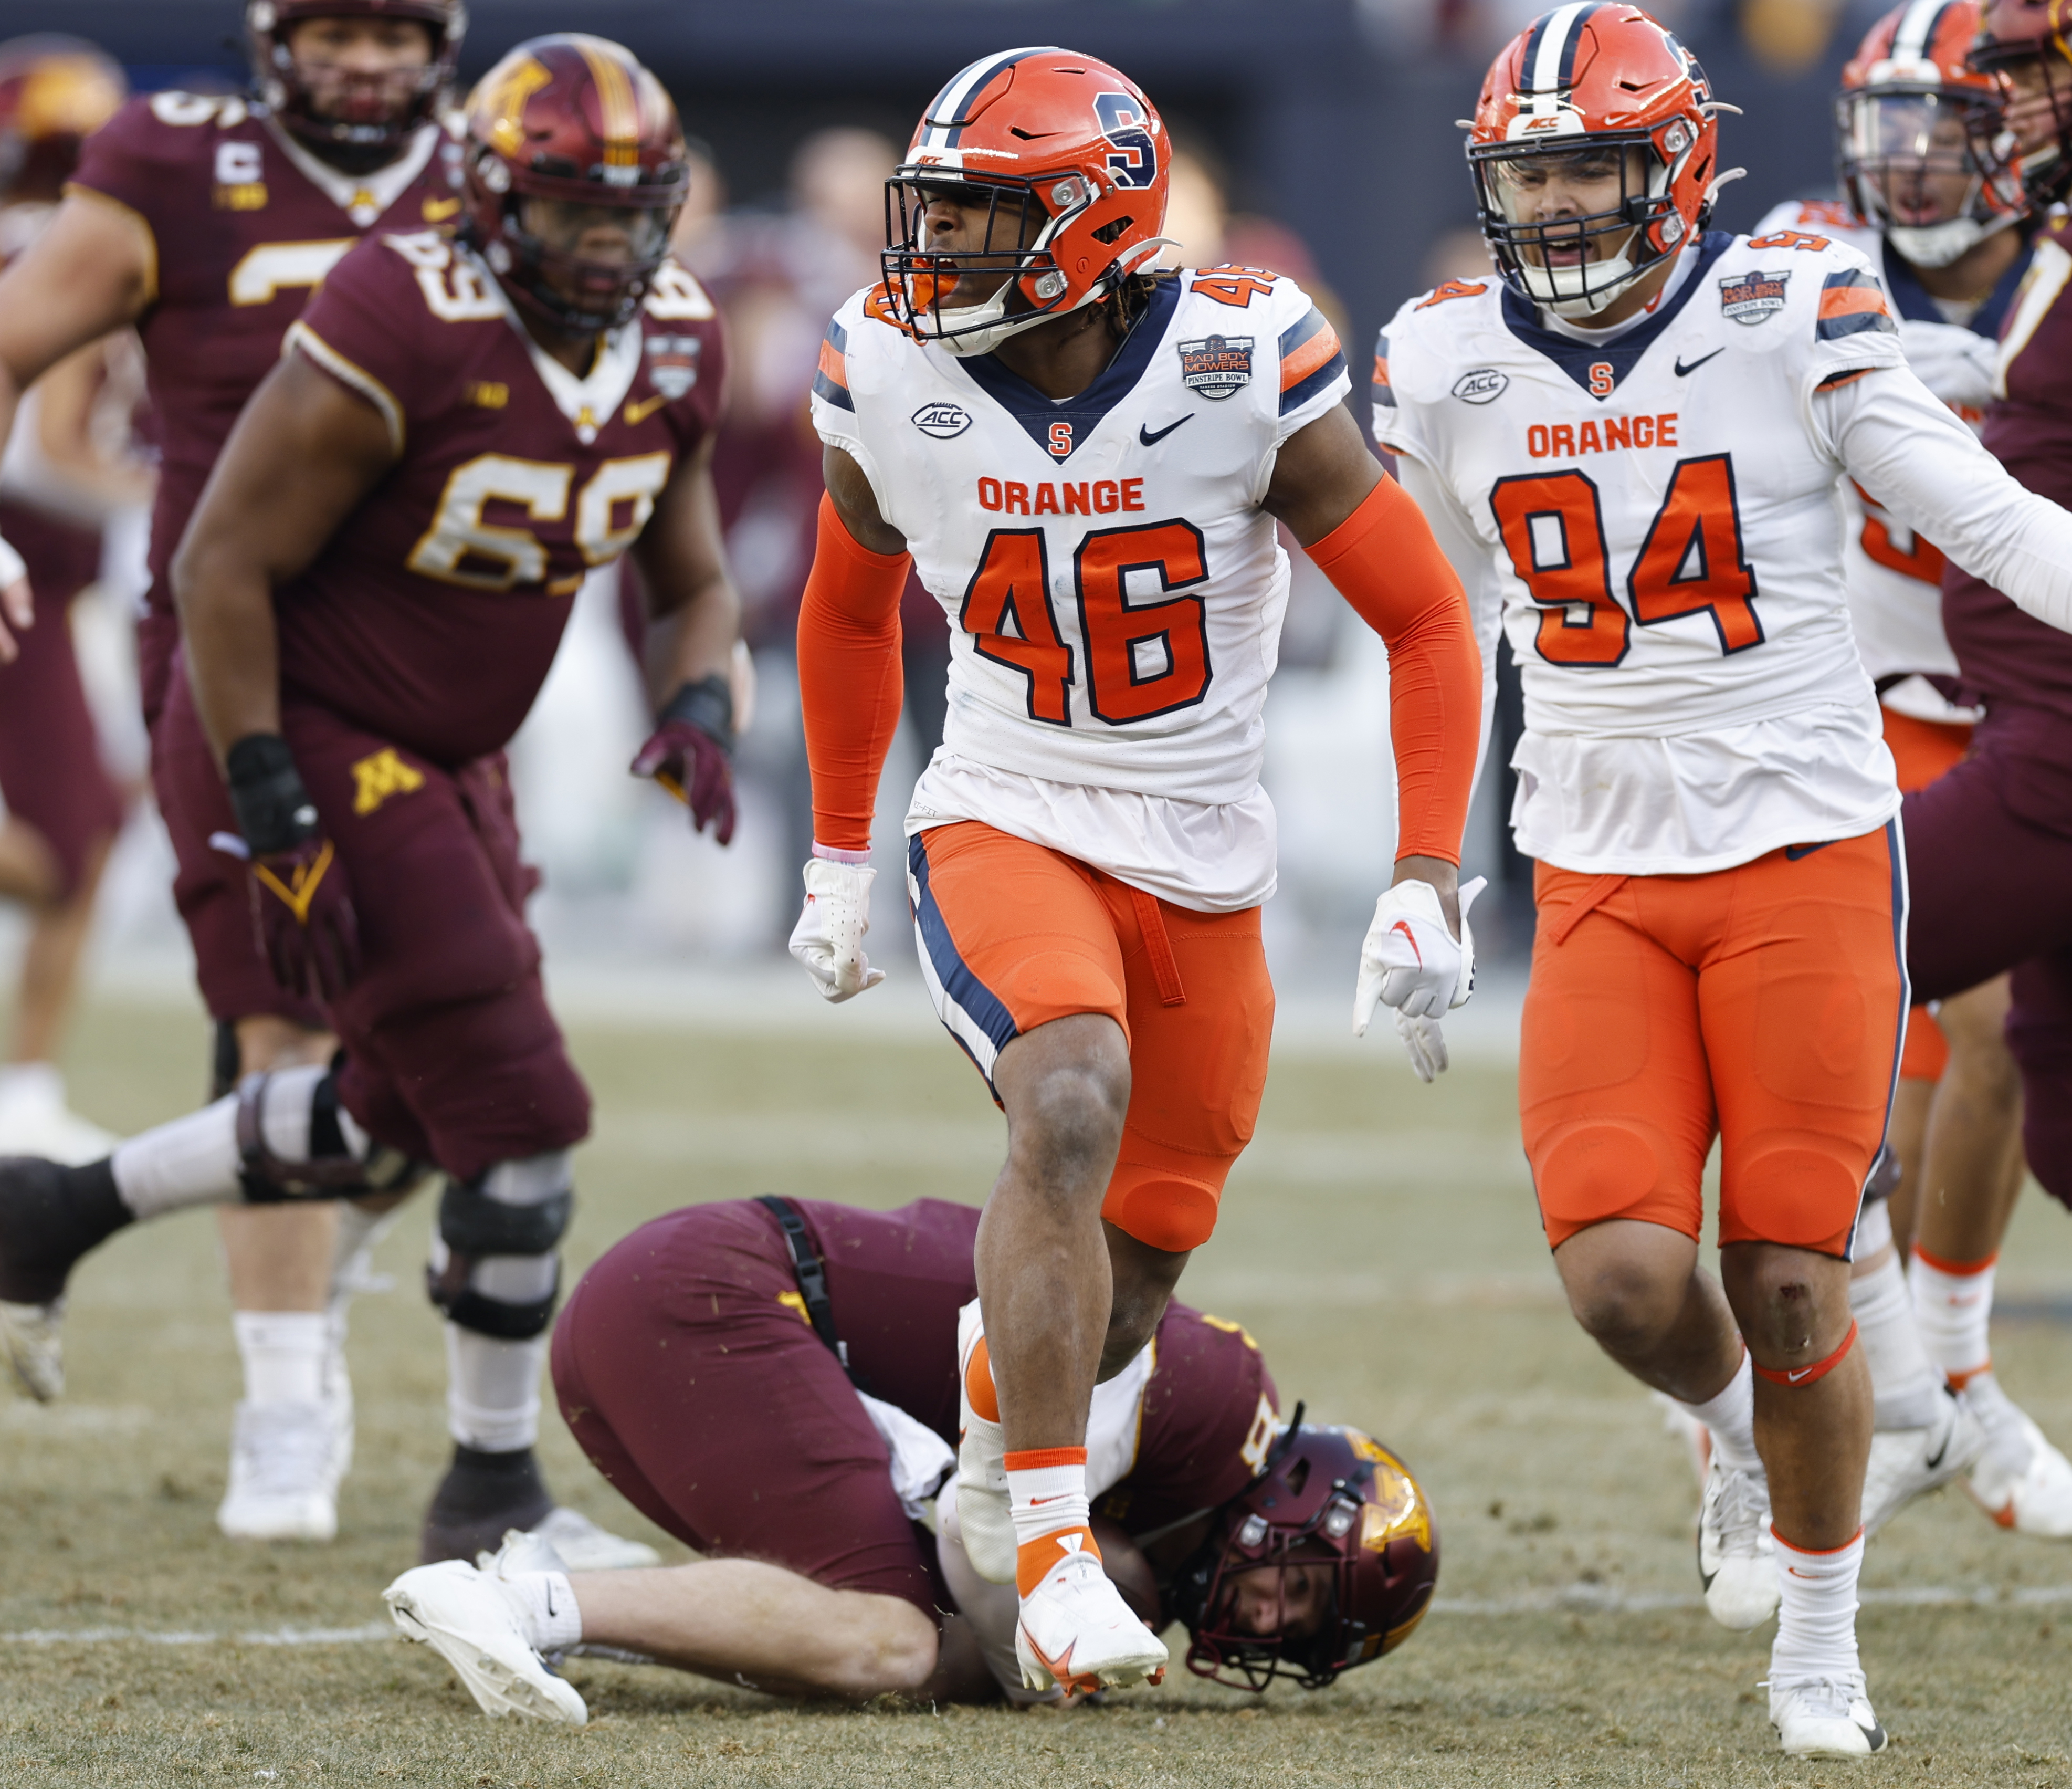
1086, 462
1630, 439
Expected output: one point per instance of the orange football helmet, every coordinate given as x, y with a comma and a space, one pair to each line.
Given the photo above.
1579, 87
55, 93
565, 131
1905, 120
2028, 44
1045, 138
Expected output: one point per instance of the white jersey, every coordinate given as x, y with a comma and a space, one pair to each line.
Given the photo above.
1894, 576
1114, 590
1656, 513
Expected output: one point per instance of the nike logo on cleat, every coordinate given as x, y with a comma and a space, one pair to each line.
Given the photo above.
1151, 440
1936, 1459
1684, 372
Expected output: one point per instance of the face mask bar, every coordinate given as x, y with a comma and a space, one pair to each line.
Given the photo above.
580, 295
917, 280
1550, 262
2044, 173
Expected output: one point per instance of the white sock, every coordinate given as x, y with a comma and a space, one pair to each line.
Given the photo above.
194, 1160
1816, 1619
546, 1609
38, 1084
493, 1390
1730, 1415
1904, 1384
283, 1352
1953, 1305
1047, 1491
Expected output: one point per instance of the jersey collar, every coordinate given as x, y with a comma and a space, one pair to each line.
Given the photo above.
587, 402
1083, 412
1622, 352
1912, 301
362, 197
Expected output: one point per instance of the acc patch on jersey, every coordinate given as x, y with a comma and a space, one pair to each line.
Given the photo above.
672, 364
1751, 298
1484, 385
1216, 365
942, 421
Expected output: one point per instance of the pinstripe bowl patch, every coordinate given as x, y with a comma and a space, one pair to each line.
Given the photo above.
1751, 298
1216, 365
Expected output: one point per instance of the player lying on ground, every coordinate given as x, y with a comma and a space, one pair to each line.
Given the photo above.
1085, 461
801, 1434
1949, 231
1631, 440
366, 624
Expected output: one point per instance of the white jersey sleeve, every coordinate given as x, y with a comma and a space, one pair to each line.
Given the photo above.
1656, 509
1114, 589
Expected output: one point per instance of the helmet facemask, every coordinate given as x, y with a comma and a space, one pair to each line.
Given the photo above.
1023, 220
537, 257
1550, 261
1206, 1597
1909, 152
2043, 170
365, 120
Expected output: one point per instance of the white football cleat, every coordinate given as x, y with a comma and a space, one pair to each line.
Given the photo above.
582, 1546
33, 1348
1075, 1633
1907, 1462
282, 1487
1737, 1557
2021, 1481
35, 1120
469, 1617
1824, 1717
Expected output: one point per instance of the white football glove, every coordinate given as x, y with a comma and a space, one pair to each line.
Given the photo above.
1411, 962
828, 938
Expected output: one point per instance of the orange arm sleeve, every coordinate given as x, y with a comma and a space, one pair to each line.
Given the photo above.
849, 677
1382, 559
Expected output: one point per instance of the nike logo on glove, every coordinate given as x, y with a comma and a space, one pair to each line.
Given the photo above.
1151, 440
1682, 370
1410, 938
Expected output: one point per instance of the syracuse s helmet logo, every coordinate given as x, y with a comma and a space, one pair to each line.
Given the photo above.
1121, 116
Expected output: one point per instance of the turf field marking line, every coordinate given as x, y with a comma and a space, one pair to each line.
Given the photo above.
278, 1636
1590, 1600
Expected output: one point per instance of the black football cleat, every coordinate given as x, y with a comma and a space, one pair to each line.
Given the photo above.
50, 1216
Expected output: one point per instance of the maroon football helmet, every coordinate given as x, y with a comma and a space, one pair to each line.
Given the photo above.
55, 93
356, 146
1329, 1497
566, 133
2028, 44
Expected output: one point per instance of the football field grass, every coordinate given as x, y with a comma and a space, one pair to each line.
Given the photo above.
1379, 1241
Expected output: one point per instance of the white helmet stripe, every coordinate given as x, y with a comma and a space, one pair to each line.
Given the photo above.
1545, 73
1916, 31
949, 106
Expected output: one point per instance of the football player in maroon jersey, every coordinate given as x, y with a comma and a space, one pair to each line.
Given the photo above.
802, 1442
2005, 812
58, 488
206, 221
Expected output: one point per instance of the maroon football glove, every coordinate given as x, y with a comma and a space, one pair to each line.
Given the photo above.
302, 908
691, 755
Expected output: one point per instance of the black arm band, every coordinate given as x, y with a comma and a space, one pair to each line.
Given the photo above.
707, 704
274, 811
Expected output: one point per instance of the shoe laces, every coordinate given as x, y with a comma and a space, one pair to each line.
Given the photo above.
1740, 1511
282, 1450
1826, 1694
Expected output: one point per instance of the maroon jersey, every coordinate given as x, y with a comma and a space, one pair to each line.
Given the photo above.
432, 615
244, 228
2002, 654
896, 1281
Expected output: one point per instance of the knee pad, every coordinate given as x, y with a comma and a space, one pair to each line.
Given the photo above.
516, 1209
295, 1140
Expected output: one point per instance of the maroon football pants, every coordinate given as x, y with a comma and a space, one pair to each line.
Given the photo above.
52, 776
451, 1054
1989, 868
719, 1413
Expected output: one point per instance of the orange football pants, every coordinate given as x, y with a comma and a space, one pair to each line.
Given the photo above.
1761, 1005
1014, 935
1921, 751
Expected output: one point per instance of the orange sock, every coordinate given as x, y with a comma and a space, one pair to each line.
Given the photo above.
1047, 1488
978, 1384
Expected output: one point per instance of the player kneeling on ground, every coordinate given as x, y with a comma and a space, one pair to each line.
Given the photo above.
803, 1435
1638, 463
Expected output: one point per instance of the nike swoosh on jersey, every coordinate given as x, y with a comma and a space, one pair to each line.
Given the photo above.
1681, 370
1151, 440
646, 408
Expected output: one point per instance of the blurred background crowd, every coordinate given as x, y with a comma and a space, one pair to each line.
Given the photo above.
1316, 138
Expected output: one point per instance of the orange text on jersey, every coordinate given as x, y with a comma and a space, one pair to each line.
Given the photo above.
1096, 497
1600, 435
